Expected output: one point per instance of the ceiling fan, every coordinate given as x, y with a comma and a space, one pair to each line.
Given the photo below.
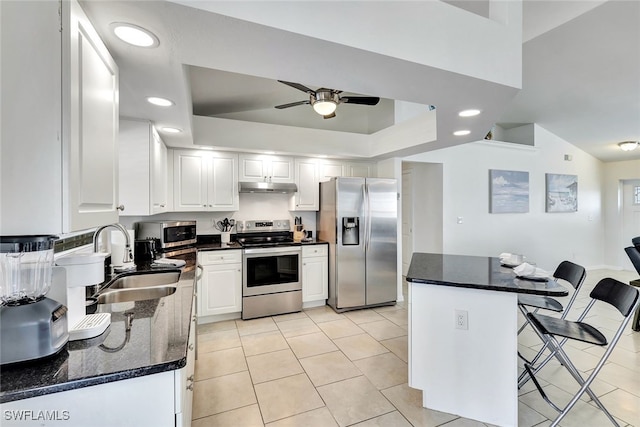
324, 101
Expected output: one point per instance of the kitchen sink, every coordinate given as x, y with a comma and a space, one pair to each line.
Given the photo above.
143, 280
140, 294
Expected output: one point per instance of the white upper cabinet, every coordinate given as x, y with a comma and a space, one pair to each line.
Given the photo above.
330, 168
143, 169
307, 197
59, 138
265, 168
364, 170
205, 181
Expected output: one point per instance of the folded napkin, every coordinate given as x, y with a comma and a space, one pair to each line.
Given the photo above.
504, 256
169, 261
528, 270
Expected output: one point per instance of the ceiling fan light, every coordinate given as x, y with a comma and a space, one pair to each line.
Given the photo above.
628, 145
324, 108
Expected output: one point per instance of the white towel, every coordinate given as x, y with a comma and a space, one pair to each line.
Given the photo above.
170, 261
504, 256
528, 270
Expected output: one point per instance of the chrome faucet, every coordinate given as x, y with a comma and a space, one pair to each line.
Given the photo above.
128, 255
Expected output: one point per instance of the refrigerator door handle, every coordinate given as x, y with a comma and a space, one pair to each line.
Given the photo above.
365, 219
367, 238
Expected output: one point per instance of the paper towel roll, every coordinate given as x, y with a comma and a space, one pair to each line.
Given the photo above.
117, 246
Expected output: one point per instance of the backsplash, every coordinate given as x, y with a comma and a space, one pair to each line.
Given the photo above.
252, 206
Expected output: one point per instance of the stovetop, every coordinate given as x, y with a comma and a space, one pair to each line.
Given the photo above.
265, 239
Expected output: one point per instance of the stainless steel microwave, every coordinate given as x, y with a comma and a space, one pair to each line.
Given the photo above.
171, 234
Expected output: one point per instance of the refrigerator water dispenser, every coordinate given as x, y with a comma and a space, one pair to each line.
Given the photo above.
350, 231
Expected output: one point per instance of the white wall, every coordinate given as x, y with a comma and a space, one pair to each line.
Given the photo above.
614, 245
546, 238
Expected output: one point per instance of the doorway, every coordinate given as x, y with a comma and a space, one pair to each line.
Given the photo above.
630, 215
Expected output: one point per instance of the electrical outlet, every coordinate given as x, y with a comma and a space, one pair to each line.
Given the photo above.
462, 319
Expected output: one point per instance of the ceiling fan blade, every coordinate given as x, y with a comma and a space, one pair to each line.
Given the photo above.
293, 104
362, 100
329, 116
298, 86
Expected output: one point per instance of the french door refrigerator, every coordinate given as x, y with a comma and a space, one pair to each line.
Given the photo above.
358, 217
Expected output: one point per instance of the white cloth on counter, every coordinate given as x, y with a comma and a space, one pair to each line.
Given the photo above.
504, 256
171, 261
509, 259
528, 270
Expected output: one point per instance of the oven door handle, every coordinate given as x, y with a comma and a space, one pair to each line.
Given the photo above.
266, 251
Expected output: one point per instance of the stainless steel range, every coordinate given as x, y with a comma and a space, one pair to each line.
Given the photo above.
272, 268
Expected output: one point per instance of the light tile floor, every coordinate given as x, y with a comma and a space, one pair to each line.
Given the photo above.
320, 368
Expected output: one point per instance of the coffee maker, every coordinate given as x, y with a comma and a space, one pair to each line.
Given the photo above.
32, 326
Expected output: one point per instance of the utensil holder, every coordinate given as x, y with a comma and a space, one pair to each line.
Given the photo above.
225, 237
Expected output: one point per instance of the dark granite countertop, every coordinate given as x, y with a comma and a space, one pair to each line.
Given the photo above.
157, 342
476, 272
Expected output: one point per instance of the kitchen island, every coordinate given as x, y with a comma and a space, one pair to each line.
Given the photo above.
135, 377
463, 325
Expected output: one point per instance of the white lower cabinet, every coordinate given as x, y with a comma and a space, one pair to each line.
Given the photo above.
185, 378
220, 283
315, 275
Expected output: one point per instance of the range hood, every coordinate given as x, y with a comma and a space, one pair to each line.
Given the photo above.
267, 187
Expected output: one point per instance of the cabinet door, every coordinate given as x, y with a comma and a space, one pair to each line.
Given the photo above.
190, 170
134, 167
315, 278
281, 169
307, 196
159, 173
223, 184
253, 168
90, 125
364, 170
220, 289
329, 169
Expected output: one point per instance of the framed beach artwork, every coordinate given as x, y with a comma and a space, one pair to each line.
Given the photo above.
561, 192
509, 191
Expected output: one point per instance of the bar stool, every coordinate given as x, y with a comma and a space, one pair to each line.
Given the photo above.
621, 296
634, 255
568, 271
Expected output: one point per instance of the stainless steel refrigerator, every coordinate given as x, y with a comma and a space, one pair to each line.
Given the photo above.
358, 217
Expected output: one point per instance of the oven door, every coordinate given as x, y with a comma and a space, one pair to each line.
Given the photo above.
271, 270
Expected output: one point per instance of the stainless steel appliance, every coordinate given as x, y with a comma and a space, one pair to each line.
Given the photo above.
358, 217
271, 269
31, 325
175, 240
171, 234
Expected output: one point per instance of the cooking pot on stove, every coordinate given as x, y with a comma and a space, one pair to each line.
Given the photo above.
146, 250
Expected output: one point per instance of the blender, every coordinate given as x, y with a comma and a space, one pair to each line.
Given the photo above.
32, 326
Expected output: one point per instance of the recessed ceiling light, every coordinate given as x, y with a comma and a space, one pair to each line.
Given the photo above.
134, 35
462, 132
161, 102
468, 113
628, 145
171, 130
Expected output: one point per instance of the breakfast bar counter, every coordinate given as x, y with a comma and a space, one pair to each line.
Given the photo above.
463, 325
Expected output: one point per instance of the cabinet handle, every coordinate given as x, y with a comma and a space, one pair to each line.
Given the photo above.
191, 347
190, 378
239, 270
120, 208
190, 387
162, 206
